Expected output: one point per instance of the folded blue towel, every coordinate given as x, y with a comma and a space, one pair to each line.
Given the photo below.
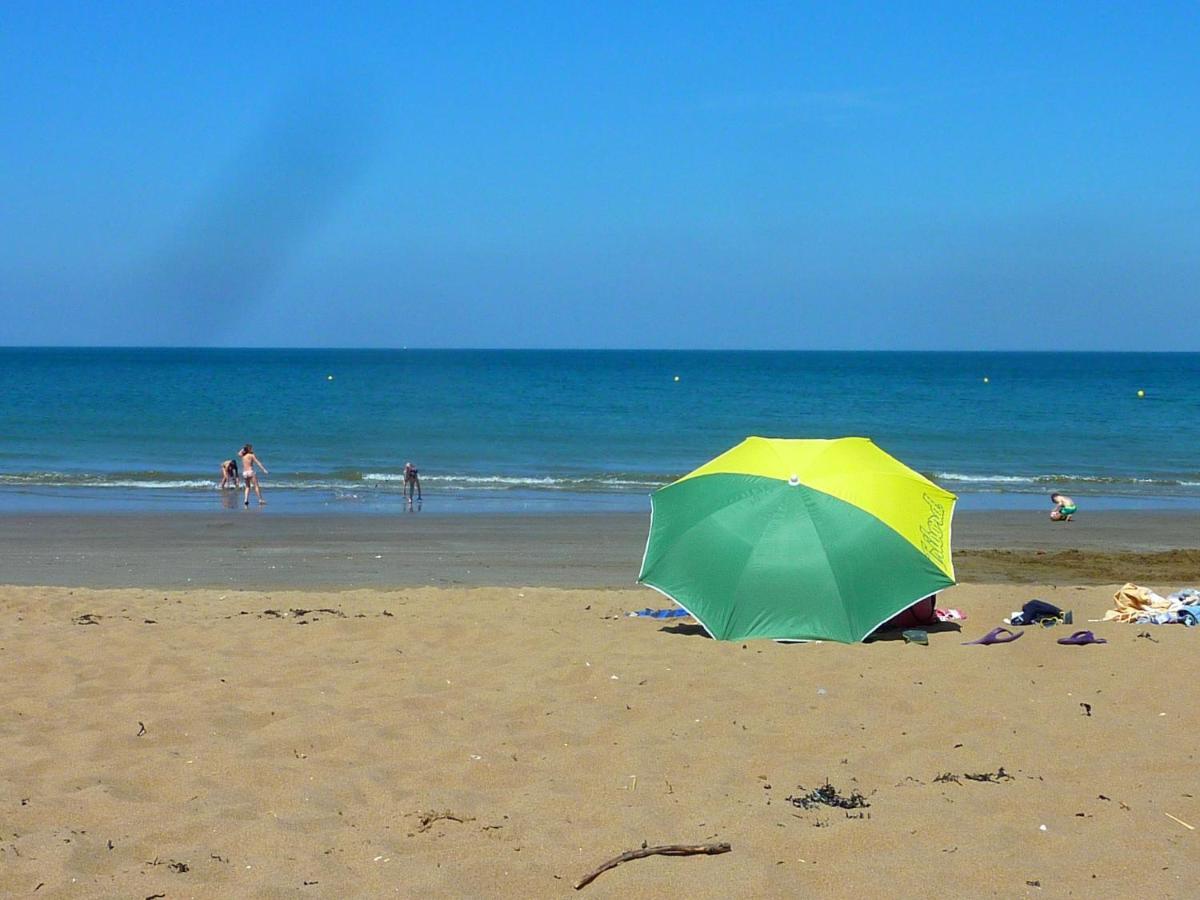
672, 613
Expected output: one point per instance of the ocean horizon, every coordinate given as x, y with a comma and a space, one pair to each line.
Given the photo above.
111, 429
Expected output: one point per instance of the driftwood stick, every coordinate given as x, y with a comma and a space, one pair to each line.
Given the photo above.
665, 850
1180, 821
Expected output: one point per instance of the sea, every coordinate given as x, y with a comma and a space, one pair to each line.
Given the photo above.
508, 431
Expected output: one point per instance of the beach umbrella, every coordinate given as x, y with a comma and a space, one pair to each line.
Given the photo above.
800, 539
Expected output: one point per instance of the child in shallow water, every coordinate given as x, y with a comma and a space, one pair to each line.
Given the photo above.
229, 475
1064, 507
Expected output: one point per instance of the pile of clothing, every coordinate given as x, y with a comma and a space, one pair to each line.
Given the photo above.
1144, 607
924, 612
1039, 612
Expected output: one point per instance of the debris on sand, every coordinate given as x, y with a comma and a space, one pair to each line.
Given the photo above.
990, 777
827, 795
646, 851
427, 820
299, 614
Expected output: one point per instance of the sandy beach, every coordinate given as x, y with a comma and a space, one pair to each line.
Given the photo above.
504, 740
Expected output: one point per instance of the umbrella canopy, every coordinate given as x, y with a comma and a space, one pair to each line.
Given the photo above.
800, 539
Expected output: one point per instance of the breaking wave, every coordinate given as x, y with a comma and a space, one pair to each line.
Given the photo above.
1040, 481
354, 483
341, 481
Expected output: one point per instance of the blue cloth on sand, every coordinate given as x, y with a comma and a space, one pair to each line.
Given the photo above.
672, 613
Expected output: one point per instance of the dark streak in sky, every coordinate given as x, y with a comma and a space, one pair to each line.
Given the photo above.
238, 241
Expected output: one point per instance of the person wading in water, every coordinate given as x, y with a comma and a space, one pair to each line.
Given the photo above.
412, 482
249, 461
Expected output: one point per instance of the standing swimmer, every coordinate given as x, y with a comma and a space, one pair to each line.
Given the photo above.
249, 461
412, 481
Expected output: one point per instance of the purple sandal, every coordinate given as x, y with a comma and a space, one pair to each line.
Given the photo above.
996, 636
1079, 638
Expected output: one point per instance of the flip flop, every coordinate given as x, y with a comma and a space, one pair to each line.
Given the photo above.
1079, 638
996, 636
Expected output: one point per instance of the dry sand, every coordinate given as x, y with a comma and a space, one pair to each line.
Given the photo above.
218, 744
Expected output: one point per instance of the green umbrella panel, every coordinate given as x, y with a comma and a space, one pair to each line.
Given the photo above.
758, 557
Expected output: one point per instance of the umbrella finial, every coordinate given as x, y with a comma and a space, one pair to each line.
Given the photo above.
794, 481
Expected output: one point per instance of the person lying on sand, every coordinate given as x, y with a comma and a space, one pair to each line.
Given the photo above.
1064, 508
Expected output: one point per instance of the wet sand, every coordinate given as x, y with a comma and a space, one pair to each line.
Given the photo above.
260, 549
505, 741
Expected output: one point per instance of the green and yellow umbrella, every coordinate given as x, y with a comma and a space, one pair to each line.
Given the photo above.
799, 539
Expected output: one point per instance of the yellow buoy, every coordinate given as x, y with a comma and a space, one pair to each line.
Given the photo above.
676, 377
329, 378
1141, 393
986, 380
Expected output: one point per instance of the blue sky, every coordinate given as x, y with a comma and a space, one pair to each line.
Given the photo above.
892, 176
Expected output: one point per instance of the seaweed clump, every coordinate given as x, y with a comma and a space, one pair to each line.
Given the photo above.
827, 795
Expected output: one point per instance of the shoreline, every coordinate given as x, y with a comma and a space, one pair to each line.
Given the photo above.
259, 550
